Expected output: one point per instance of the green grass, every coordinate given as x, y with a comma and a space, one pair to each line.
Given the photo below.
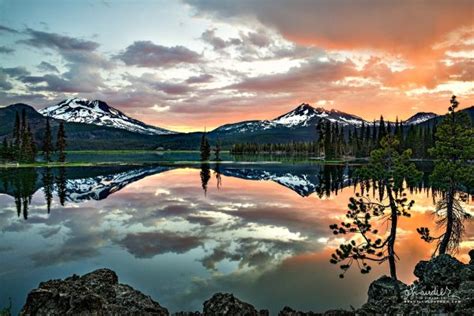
94, 158
115, 152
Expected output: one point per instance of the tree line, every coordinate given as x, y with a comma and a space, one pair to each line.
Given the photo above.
336, 141
22, 148
389, 171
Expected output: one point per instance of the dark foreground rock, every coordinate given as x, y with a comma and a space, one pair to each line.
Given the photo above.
95, 293
444, 286
227, 304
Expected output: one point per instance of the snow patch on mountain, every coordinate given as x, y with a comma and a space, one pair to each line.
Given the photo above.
97, 112
420, 118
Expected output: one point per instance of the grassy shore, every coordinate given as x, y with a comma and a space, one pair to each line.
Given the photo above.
97, 158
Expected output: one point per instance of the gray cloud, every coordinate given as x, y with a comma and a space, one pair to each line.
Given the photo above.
6, 74
15, 72
200, 79
148, 54
6, 50
47, 67
40, 39
210, 37
258, 45
149, 244
7, 29
81, 57
70, 82
149, 83
4, 83
299, 78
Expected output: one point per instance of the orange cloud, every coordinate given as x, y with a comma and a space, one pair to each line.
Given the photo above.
399, 27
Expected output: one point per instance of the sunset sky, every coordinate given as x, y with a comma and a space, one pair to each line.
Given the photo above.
187, 64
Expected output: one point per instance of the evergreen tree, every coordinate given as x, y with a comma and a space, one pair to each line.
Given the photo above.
367, 141
382, 131
217, 150
61, 143
397, 128
328, 140
47, 142
453, 174
387, 170
205, 175
5, 149
16, 132
205, 148
217, 173
48, 187
27, 145
374, 137
61, 180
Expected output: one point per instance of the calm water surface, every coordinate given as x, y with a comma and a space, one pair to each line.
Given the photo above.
181, 234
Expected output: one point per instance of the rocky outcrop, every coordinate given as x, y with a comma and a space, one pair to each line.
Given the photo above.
444, 286
227, 304
95, 293
383, 296
288, 311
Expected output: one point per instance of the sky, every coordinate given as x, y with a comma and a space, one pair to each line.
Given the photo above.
187, 65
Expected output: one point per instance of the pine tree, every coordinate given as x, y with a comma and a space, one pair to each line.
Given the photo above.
205, 175
453, 174
374, 137
16, 132
217, 150
205, 148
27, 146
61, 180
382, 131
47, 142
61, 143
388, 170
48, 187
32, 146
5, 149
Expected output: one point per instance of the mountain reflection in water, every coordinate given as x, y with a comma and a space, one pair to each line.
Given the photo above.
181, 234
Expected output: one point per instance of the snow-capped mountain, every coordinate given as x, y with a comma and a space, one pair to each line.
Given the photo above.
97, 112
420, 118
303, 179
303, 116
100, 187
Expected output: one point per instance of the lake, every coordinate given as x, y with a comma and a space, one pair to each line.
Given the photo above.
183, 232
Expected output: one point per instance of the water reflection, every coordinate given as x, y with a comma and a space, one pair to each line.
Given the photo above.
259, 231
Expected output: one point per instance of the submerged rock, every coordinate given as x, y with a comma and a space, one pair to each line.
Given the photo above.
95, 293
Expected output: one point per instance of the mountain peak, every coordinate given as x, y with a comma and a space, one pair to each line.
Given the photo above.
97, 112
420, 117
304, 106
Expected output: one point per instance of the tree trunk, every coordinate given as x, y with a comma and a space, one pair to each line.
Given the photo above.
443, 246
393, 234
391, 242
